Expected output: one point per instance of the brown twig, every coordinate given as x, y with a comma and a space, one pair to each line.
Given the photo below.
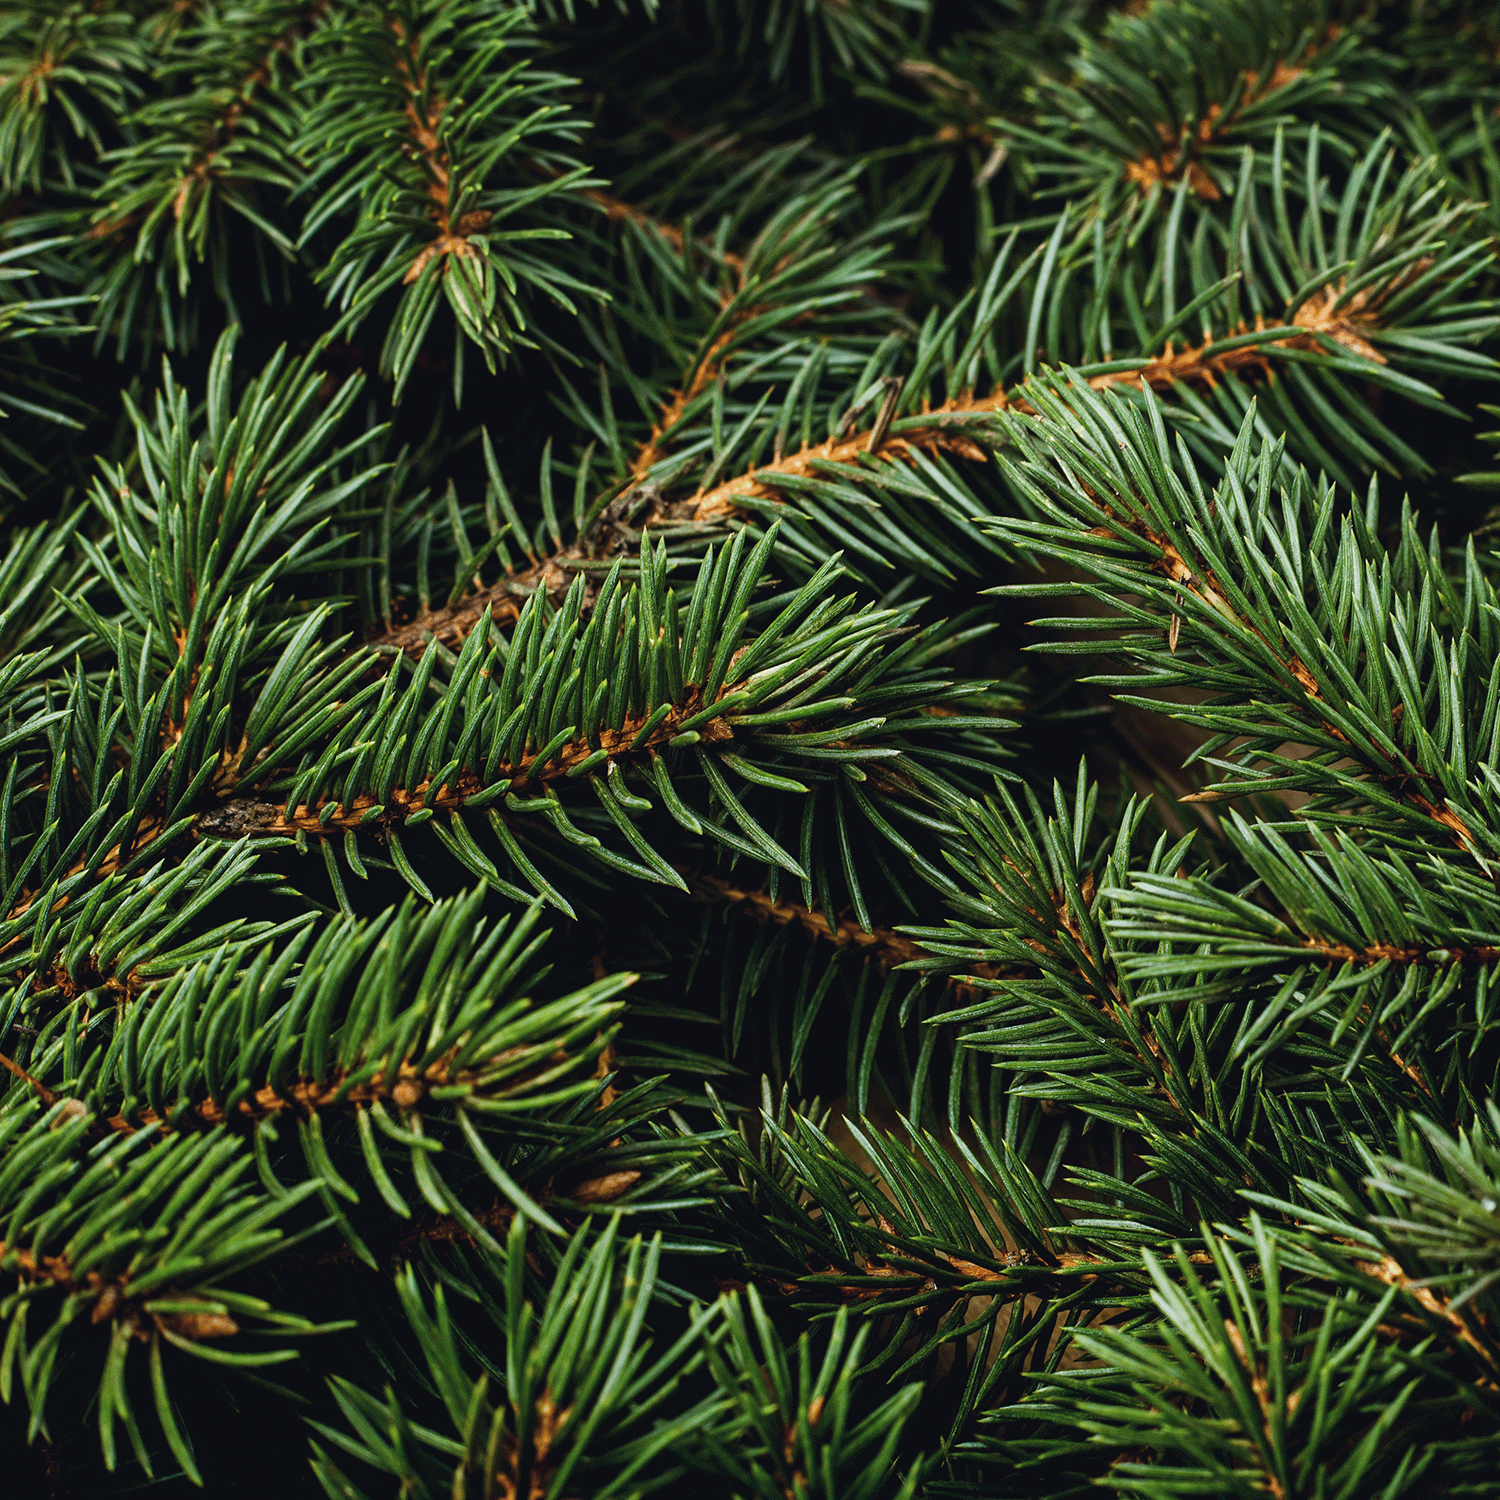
16, 1070
884, 944
1389, 1273
241, 816
617, 209
425, 120
1319, 317
707, 368
405, 1086
503, 601
703, 374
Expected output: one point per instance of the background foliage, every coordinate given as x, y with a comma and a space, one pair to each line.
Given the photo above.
750, 748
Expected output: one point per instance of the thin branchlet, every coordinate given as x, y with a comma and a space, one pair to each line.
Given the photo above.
947, 428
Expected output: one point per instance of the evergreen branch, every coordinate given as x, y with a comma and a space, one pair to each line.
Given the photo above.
1257, 1354
1345, 317
429, 174
33, 391
1124, 117
500, 602
424, 111
111, 1300
617, 210
228, 147
249, 816
218, 133
1418, 1223
1180, 157
79, 64
798, 1434
490, 1051
40, 566
1147, 1205
626, 693
582, 1395
884, 944
452, 1060
958, 426
85, 936
885, 947
1227, 592
940, 1252
1328, 315
1432, 916
156, 1275
1032, 904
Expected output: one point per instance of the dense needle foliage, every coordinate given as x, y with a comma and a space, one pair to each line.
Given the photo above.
751, 748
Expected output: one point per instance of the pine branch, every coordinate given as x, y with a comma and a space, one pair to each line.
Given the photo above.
618, 209
580, 1395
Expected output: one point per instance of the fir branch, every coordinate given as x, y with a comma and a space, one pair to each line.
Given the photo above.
500, 602
158, 1279
249, 816
424, 110
111, 1301
1326, 317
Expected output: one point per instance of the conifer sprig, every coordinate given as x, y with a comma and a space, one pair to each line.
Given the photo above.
571, 896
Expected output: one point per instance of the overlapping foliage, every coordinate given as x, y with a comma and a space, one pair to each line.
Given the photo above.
749, 749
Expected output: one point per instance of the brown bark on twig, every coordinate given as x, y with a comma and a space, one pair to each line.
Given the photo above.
1318, 318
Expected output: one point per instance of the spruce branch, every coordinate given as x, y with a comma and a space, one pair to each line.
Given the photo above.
1226, 588
400, 1053
1256, 1353
625, 694
579, 1392
1126, 115
887, 946
617, 209
444, 207
63, 75
96, 940
106, 1238
1345, 319
1159, 1159
226, 155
